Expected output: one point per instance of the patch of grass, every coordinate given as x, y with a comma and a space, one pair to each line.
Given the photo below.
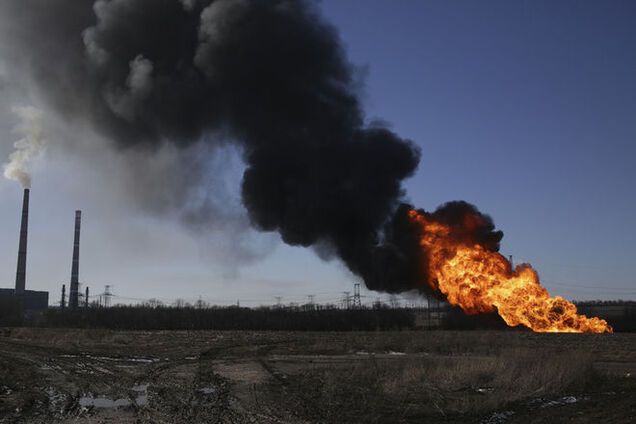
404, 390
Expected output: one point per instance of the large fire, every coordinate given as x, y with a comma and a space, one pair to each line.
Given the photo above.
479, 280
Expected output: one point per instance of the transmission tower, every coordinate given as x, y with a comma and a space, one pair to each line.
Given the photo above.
107, 296
310, 305
278, 300
357, 303
394, 302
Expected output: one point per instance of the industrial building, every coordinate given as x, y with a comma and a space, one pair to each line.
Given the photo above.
32, 300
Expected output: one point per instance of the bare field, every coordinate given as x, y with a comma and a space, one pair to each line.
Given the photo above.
98, 376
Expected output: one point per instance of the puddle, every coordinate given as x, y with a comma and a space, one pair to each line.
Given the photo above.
103, 370
396, 353
103, 402
142, 394
559, 402
207, 390
144, 360
141, 399
140, 360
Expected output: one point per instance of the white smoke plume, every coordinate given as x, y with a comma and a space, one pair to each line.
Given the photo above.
188, 4
28, 147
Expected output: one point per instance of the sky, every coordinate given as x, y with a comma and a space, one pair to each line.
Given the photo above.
525, 109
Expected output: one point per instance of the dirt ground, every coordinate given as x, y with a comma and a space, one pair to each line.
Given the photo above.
98, 376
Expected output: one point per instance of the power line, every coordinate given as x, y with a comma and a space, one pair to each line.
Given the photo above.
612, 268
599, 287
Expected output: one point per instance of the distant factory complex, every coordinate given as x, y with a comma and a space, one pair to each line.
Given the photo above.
30, 300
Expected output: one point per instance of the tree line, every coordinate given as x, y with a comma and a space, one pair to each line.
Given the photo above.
229, 318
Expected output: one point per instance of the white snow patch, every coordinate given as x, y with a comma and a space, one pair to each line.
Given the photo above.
560, 402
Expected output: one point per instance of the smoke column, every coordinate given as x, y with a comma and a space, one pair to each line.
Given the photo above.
28, 147
270, 75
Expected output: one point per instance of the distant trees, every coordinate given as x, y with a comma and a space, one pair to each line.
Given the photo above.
154, 303
618, 302
155, 316
180, 315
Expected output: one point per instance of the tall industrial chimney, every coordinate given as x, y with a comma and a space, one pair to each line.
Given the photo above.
73, 300
20, 276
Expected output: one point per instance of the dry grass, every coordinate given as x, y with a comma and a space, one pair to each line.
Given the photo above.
443, 386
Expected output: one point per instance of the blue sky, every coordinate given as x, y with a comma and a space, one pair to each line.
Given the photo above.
524, 108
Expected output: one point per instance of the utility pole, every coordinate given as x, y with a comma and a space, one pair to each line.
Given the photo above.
346, 299
63, 300
512, 264
107, 296
357, 303
86, 299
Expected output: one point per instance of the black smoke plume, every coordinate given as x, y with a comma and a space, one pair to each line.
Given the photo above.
398, 264
271, 75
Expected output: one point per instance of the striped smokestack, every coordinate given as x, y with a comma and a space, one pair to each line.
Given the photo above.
20, 276
73, 301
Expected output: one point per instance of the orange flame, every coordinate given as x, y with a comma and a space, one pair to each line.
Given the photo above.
479, 280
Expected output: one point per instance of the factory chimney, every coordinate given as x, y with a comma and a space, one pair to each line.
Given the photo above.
73, 301
20, 276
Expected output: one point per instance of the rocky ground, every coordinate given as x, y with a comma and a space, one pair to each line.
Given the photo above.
83, 376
